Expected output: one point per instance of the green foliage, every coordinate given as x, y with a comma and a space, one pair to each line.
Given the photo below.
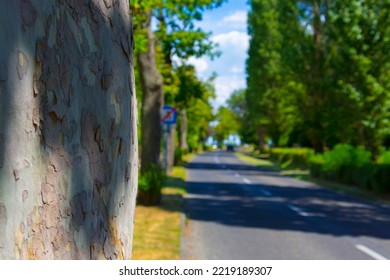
291, 157
385, 158
176, 31
149, 186
344, 164
195, 96
351, 165
177, 37
237, 104
344, 154
273, 92
227, 124
338, 163
178, 157
359, 35
190, 87
199, 115
318, 72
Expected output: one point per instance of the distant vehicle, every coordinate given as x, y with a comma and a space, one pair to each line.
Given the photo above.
230, 148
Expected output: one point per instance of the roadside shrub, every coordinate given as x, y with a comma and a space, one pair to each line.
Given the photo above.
207, 148
385, 158
178, 156
291, 157
351, 165
379, 180
316, 165
149, 186
343, 161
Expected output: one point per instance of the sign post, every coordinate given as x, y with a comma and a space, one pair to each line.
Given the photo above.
168, 118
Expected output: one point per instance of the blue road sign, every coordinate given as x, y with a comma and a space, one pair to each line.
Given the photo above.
169, 115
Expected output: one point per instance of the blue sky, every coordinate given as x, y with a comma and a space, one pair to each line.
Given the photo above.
228, 25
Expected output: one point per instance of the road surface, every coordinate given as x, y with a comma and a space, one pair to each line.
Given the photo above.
236, 211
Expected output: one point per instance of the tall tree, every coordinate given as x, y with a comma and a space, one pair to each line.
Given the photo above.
151, 84
177, 36
329, 81
227, 124
193, 100
190, 89
68, 132
359, 37
237, 103
265, 67
180, 39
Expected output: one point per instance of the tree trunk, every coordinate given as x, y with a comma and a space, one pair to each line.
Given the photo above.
152, 100
316, 89
183, 130
261, 136
68, 136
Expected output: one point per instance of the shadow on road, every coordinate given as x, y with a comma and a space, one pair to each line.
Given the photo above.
269, 206
229, 204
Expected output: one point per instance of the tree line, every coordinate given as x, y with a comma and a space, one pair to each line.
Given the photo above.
318, 74
167, 36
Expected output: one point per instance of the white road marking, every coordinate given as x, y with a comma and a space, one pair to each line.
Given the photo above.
246, 181
267, 193
370, 252
236, 175
298, 211
216, 160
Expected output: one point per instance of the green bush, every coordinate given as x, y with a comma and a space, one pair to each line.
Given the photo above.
343, 161
178, 156
351, 165
149, 186
385, 158
316, 163
291, 157
381, 179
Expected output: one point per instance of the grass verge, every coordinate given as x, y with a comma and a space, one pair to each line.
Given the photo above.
262, 161
157, 229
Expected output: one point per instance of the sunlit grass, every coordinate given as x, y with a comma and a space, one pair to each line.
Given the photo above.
257, 161
157, 229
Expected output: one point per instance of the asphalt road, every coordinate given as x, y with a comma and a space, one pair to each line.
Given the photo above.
237, 211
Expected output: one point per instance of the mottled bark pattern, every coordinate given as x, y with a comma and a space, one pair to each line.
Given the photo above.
68, 149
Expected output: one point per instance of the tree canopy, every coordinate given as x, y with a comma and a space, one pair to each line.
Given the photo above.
318, 72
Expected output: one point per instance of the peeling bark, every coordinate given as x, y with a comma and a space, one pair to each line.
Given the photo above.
68, 159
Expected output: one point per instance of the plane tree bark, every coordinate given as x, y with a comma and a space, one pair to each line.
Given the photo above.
68, 137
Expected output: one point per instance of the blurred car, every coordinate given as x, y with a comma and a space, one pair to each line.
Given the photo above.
230, 148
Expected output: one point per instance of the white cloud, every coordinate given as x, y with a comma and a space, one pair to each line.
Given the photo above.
225, 85
234, 38
200, 64
238, 19
236, 69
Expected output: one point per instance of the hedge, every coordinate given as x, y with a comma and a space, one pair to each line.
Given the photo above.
350, 165
344, 164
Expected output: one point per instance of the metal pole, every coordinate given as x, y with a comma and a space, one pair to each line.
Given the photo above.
165, 147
